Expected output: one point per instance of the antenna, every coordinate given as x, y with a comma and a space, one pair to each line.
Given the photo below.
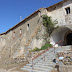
20, 18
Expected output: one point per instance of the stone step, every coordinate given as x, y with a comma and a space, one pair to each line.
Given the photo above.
45, 67
42, 59
40, 65
45, 62
49, 56
38, 71
48, 60
30, 70
35, 69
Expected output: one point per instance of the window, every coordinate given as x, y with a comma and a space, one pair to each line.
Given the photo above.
20, 32
39, 13
27, 27
67, 10
1, 38
54, 8
13, 35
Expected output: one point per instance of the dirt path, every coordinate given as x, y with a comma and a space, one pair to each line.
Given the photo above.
12, 67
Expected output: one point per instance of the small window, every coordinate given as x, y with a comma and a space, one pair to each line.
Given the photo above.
13, 35
67, 10
39, 13
27, 27
54, 8
1, 38
20, 32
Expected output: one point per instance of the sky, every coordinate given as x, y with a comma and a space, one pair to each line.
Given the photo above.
13, 11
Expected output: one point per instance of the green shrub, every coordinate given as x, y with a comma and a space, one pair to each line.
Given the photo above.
49, 24
69, 57
46, 46
35, 49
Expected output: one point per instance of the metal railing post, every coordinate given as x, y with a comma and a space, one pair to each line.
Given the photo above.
61, 43
32, 64
54, 49
44, 57
45, 51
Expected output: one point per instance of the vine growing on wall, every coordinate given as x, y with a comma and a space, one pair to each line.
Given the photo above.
49, 24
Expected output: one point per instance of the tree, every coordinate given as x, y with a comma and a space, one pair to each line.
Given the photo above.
49, 24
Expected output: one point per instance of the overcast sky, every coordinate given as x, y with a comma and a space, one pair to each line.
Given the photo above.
11, 10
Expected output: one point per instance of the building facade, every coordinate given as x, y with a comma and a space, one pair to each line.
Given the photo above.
23, 36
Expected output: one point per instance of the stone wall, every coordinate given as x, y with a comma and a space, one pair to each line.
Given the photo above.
23, 38
58, 13
9, 41
17, 41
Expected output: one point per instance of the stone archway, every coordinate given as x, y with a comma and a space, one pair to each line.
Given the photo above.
68, 38
60, 34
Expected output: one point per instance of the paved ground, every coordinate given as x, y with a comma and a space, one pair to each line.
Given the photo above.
12, 68
17, 67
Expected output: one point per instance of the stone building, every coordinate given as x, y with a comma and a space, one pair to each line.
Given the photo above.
29, 33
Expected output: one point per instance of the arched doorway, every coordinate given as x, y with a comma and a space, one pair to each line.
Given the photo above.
62, 33
69, 39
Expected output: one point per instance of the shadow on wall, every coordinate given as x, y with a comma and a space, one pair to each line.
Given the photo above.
62, 33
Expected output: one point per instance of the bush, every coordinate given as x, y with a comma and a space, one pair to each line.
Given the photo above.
35, 49
49, 24
46, 46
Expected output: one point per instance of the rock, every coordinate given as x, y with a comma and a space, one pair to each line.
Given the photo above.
67, 57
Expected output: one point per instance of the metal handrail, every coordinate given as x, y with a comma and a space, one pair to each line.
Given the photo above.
47, 50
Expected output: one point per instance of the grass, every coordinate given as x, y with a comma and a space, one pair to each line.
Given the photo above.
46, 46
35, 49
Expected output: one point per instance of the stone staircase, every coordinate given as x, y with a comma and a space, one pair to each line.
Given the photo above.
44, 63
